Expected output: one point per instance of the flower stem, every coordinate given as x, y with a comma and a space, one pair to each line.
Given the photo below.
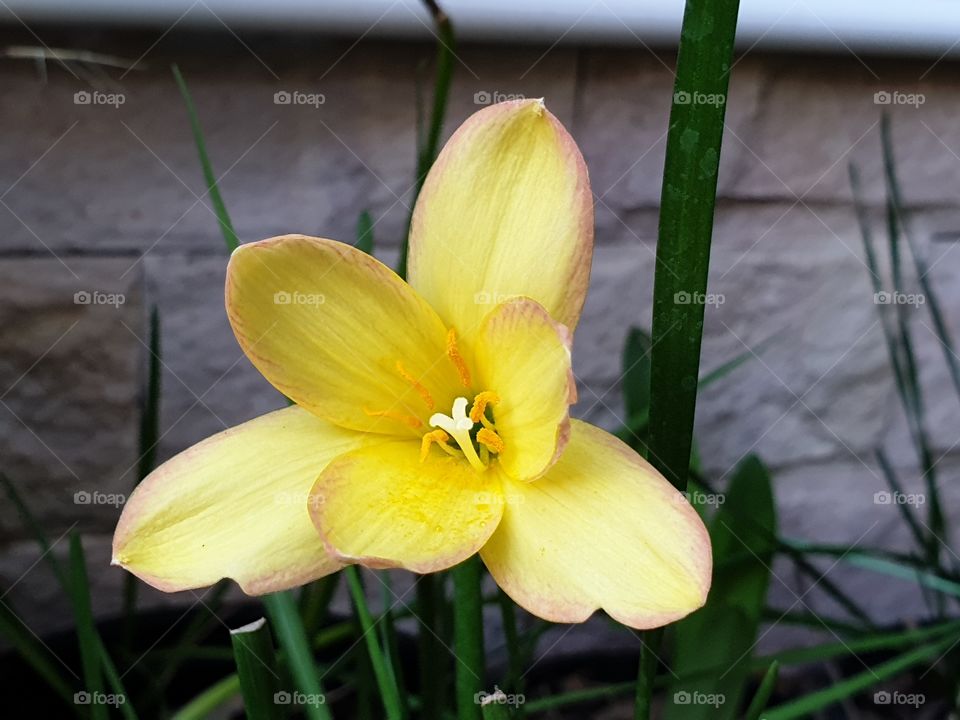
468, 637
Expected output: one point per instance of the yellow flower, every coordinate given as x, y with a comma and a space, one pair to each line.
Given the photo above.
431, 418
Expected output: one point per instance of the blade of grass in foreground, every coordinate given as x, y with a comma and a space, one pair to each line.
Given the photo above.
389, 693
86, 631
683, 252
762, 697
282, 610
66, 584
257, 669
219, 208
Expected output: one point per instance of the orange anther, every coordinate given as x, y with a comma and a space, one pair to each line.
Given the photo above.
408, 420
480, 402
453, 352
437, 436
489, 439
417, 385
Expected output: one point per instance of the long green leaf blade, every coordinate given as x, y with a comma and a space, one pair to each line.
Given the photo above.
257, 669
209, 177
282, 610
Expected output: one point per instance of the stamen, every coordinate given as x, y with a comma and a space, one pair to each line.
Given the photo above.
408, 420
417, 385
457, 359
480, 402
458, 425
440, 438
488, 438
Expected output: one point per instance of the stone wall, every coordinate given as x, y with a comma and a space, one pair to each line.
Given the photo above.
104, 199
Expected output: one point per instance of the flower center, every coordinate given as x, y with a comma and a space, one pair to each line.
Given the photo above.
475, 443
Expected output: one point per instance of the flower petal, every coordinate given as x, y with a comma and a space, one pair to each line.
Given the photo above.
524, 357
505, 211
234, 505
381, 507
339, 333
602, 529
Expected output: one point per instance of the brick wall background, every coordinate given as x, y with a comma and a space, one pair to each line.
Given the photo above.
108, 199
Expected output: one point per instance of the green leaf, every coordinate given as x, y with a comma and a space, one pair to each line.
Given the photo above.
215, 696
807, 705
282, 610
429, 146
923, 270
389, 692
722, 634
365, 233
86, 631
257, 669
762, 696
210, 178
869, 643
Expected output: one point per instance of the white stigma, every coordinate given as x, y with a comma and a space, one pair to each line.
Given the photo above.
458, 426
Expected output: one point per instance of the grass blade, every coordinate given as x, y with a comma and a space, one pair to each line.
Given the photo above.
282, 610
762, 697
210, 179
365, 233
429, 145
805, 706
923, 271
389, 692
256, 669
86, 631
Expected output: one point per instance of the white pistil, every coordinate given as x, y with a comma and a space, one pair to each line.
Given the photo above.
458, 426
